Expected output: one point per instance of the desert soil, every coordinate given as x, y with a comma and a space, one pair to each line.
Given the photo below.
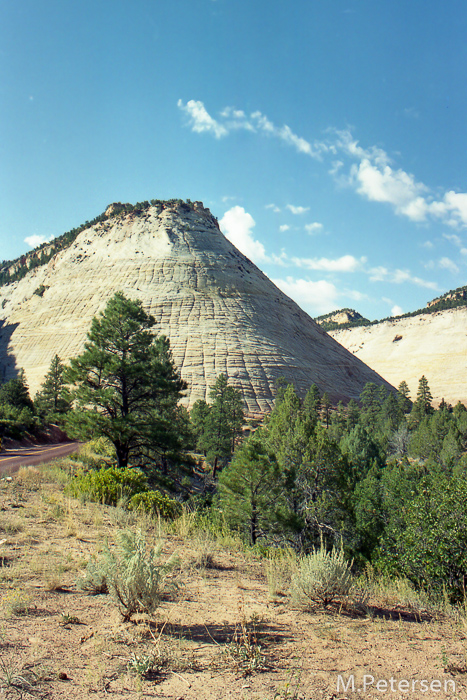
69, 646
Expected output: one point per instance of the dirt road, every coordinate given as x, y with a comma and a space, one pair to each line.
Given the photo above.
12, 460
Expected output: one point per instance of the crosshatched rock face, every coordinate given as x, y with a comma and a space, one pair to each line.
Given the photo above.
221, 313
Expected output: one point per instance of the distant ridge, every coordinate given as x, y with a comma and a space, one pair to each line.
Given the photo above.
349, 318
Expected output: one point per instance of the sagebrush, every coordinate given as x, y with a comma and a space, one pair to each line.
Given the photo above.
324, 577
134, 574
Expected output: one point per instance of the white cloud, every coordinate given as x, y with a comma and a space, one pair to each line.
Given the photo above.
283, 228
346, 263
297, 210
34, 241
200, 119
371, 173
448, 264
274, 208
313, 228
235, 119
456, 204
382, 274
396, 310
237, 225
453, 238
375, 178
427, 244
396, 187
314, 297
336, 167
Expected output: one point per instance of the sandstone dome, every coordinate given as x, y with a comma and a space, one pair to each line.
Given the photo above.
221, 313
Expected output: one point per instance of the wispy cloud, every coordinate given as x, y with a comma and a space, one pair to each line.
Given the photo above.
448, 264
382, 274
274, 208
374, 177
313, 228
371, 171
232, 119
200, 120
284, 227
457, 241
346, 263
297, 211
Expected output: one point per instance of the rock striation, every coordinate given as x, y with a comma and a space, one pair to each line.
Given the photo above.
221, 313
404, 349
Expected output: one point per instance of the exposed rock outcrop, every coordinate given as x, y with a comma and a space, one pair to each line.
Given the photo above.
430, 344
340, 318
221, 313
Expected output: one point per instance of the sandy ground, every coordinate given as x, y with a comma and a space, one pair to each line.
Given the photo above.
221, 637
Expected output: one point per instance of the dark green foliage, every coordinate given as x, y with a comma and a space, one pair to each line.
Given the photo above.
156, 503
218, 425
422, 406
249, 491
14, 422
313, 473
429, 543
53, 399
361, 451
15, 392
403, 397
126, 385
42, 288
312, 403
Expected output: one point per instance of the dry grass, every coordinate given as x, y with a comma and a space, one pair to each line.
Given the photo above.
232, 630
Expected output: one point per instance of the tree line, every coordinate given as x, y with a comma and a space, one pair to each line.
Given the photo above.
384, 477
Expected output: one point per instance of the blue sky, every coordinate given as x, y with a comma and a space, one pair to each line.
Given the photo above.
328, 136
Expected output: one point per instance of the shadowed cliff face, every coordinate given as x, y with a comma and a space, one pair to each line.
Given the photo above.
8, 368
221, 313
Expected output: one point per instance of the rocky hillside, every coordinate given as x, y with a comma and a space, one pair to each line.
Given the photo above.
343, 318
433, 344
221, 313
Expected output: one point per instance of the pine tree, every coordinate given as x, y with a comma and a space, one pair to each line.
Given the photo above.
126, 384
403, 397
312, 403
249, 490
53, 399
220, 424
422, 406
15, 392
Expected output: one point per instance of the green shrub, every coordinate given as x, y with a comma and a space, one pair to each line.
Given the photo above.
428, 544
109, 485
155, 502
100, 446
94, 580
136, 578
324, 577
